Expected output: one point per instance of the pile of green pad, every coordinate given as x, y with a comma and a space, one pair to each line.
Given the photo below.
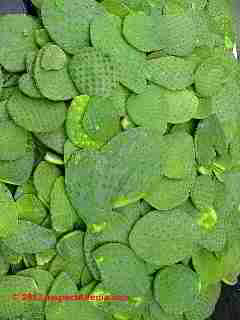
119, 158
